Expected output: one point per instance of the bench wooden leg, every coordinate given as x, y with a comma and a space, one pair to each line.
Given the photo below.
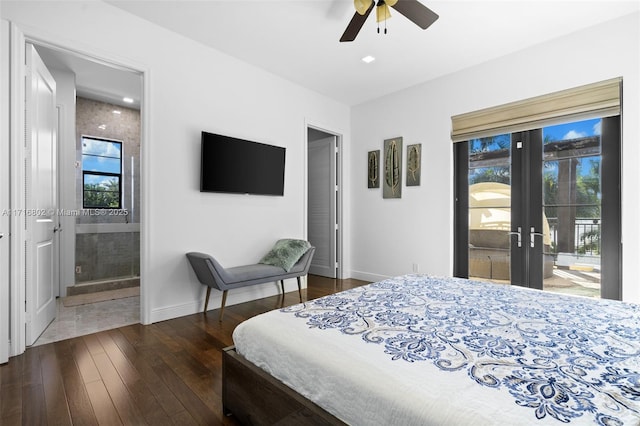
224, 300
299, 289
206, 300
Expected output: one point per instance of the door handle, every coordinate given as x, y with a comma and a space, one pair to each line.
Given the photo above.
532, 235
519, 234
1, 235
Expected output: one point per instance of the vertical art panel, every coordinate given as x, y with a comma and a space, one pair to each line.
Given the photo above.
392, 180
413, 164
373, 169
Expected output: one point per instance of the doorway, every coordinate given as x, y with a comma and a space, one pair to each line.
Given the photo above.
99, 196
67, 210
543, 208
324, 201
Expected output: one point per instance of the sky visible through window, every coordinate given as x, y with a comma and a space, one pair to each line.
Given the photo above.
577, 129
574, 130
100, 156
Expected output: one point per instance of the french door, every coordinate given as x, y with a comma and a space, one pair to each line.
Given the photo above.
541, 208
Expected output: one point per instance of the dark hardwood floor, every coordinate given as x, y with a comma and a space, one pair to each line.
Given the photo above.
168, 373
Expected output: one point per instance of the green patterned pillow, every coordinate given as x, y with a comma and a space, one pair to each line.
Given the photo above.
285, 253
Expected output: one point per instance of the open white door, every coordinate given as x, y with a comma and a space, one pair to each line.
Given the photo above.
321, 221
40, 197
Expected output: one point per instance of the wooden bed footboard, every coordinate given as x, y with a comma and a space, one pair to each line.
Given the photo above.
254, 397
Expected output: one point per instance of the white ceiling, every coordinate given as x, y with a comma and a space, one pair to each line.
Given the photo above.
95, 80
298, 39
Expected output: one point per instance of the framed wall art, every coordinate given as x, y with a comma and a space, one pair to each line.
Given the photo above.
392, 175
413, 164
373, 169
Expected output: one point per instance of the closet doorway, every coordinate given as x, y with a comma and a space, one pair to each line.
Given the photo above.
324, 201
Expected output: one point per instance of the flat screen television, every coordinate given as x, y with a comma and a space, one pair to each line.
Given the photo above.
240, 166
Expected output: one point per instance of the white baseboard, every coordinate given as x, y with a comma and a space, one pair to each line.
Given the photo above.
366, 276
234, 297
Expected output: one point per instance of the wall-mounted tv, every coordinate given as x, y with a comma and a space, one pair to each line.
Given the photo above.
240, 166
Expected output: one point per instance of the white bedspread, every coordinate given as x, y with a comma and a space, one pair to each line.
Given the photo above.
417, 350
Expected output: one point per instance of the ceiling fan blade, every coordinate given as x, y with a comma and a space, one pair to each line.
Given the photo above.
355, 25
416, 12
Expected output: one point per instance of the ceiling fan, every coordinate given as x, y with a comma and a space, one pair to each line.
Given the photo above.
416, 12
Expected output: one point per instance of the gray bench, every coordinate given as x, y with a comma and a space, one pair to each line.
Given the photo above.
211, 274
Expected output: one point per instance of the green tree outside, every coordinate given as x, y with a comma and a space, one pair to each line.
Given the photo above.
103, 195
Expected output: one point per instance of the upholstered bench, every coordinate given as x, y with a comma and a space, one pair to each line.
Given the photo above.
272, 268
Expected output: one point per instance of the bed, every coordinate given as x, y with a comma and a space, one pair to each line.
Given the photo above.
420, 350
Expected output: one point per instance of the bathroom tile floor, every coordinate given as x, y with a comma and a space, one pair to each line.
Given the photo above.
80, 320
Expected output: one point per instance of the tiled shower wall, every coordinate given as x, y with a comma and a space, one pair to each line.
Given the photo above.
105, 256
112, 251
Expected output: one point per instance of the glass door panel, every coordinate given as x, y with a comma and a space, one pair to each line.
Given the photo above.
572, 194
541, 208
489, 178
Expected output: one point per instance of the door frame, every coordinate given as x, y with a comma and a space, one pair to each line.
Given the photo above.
340, 193
16, 302
324, 148
5, 162
527, 205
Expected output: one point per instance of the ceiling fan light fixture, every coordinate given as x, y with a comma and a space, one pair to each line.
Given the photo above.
368, 59
362, 6
382, 12
413, 10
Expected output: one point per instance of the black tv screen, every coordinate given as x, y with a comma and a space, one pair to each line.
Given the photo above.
240, 166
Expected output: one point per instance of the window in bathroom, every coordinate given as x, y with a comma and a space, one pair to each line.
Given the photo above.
101, 173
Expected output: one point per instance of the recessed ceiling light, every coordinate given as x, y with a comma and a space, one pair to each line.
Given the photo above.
102, 126
127, 100
115, 111
368, 59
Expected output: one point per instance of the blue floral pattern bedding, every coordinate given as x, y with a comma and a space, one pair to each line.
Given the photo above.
562, 357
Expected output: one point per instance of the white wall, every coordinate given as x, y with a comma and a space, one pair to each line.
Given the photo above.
193, 88
389, 236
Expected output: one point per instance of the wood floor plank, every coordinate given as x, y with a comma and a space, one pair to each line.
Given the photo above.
93, 344
79, 403
163, 395
164, 338
140, 392
31, 374
183, 418
57, 409
105, 411
33, 405
193, 374
199, 410
84, 360
11, 403
11, 391
120, 396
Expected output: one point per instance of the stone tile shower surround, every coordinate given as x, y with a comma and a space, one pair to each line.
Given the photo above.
108, 247
109, 255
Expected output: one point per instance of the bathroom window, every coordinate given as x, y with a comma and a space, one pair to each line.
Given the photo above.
101, 173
